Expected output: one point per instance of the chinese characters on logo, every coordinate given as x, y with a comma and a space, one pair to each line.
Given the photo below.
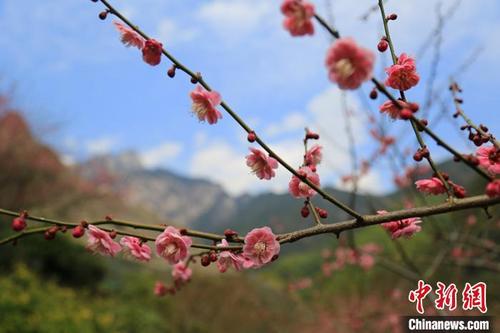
473, 296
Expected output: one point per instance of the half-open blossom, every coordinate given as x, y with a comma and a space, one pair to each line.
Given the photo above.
493, 188
391, 109
261, 164
181, 272
298, 188
99, 241
433, 185
489, 158
129, 37
228, 259
134, 247
172, 246
349, 65
260, 246
405, 227
403, 75
298, 20
205, 103
151, 52
314, 155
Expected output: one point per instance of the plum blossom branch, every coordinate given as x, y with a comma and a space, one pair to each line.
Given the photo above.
455, 89
422, 126
413, 121
480, 201
197, 78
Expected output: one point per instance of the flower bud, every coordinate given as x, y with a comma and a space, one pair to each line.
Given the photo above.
373, 94
304, 211
78, 231
406, 114
19, 223
251, 136
382, 45
103, 15
171, 71
205, 260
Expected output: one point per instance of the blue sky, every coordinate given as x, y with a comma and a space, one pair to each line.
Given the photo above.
86, 94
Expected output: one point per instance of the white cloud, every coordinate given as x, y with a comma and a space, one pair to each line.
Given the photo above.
291, 122
101, 145
221, 163
235, 18
169, 31
161, 154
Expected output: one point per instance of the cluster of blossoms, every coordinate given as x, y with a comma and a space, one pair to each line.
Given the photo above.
363, 256
260, 248
151, 48
435, 186
405, 227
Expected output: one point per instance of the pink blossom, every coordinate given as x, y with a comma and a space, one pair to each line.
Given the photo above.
151, 52
100, 241
403, 75
493, 188
160, 289
392, 110
129, 37
300, 189
314, 155
204, 104
172, 246
405, 227
298, 18
366, 261
348, 64
134, 247
260, 246
261, 164
181, 272
228, 259
489, 158
430, 186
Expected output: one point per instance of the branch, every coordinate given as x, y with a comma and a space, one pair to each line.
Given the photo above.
198, 78
480, 201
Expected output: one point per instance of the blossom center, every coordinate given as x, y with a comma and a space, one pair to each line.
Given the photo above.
199, 108
344, 68
170, 249
260, 248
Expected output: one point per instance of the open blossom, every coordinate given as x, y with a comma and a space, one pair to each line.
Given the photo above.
151, 52
205, 103
300, 189
349, 65
228, 259
403, 75
133, 246
129, 37
181, 272
431, 186
298, 18
493, 188
314, 155
261, 164
172, 246
489, 158
391, 109
260, 246
405, 227
100, 241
